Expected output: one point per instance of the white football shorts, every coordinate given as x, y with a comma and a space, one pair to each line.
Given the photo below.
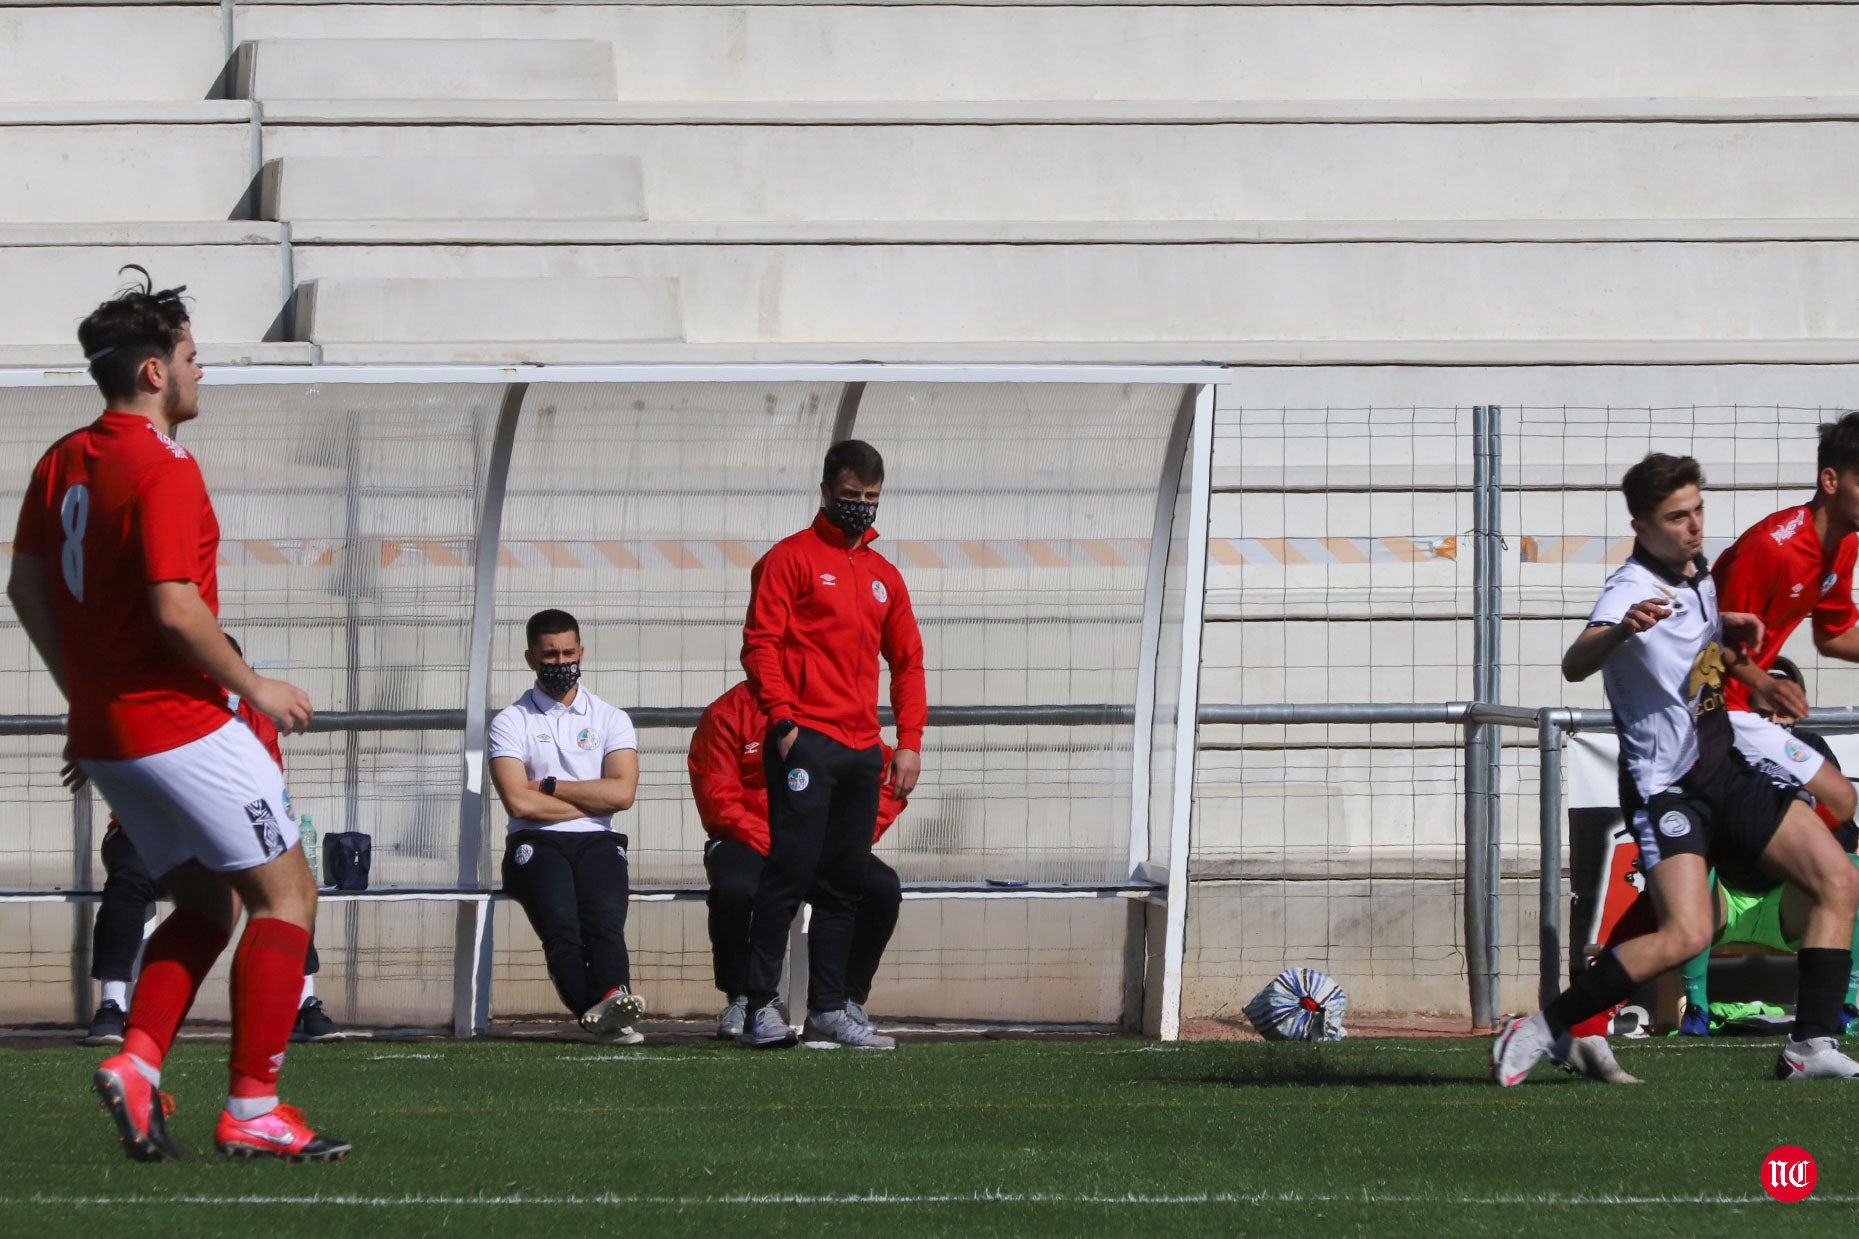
218, 800
1773, 750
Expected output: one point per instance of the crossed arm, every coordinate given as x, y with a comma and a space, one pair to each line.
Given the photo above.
611, 793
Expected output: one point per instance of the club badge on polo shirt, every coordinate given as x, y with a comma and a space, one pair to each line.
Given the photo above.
588, 738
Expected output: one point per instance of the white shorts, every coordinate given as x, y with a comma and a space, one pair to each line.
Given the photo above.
1774, 750
218, 800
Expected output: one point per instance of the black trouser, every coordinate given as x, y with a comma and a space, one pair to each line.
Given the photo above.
822, 809
128, 890
736, 868
573, 886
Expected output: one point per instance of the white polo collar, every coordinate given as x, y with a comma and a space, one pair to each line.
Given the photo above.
542, 703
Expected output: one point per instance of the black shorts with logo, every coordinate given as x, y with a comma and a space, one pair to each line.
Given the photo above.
1726, 815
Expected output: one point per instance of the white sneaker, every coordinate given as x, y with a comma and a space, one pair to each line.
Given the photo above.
1518, 1047
1817, 1058
1592, 1058
619, 1036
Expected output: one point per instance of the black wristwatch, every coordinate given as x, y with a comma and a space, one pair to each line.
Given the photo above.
781, 728
548, 786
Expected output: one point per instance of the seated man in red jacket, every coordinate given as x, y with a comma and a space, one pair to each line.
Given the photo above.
732, 799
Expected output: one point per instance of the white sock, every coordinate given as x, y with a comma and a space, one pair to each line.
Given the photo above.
117, 992
247, 1108
309, 991
150, 1073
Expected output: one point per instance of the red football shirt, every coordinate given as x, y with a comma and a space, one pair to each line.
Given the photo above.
725, 762
1779, 570
111, 509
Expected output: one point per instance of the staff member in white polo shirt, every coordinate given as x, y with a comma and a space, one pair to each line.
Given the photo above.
564, 762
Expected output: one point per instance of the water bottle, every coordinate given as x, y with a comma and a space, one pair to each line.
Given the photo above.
307, 828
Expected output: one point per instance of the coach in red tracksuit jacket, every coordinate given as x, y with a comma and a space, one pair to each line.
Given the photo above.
823, 606
731, 789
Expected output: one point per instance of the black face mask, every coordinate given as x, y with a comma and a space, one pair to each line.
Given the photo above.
558, 678
852, 517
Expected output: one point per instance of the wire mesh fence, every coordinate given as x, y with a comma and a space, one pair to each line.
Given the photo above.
1340, 570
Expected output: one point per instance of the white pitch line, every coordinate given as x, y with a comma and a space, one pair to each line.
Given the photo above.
964, 1198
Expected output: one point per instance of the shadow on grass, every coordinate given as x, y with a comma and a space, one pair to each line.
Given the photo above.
1306, 1066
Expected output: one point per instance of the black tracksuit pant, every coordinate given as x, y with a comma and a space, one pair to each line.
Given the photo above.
573, 886
128, 890
822, 809
735, 869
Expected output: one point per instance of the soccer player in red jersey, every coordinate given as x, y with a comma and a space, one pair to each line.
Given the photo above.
1786, 567
115, 581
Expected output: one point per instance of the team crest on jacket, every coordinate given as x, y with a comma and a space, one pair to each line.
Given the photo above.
523, 853
797, 780
1827, 583
878, 591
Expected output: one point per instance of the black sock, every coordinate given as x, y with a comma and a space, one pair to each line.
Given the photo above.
1599, 986
1824, 973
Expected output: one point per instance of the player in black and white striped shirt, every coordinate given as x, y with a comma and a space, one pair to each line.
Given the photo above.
1690, 797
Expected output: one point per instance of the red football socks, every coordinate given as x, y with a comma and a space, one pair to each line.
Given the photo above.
176, 960
267, 977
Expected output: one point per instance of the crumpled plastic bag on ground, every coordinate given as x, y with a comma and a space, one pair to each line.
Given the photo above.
1300, 1004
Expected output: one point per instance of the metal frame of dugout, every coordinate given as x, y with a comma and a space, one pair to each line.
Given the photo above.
1187, 459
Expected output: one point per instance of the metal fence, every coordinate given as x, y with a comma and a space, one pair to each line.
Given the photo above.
1366, 594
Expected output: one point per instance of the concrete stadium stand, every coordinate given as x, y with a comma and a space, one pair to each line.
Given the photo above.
1147, 52
778, 167
91, 55
423, 192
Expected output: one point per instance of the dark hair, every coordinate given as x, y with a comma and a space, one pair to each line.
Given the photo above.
854, 456
122, 333
548, 623
1649, 483
1839, 444
1784, 668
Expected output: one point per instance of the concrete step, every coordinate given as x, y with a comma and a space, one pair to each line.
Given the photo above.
1431, 295
1025, 232
72, 174
449, 312
418, 188
143, 232
1425, 111
424, 68
235, 292
127, 112
91, 55
800, 175
1149, 52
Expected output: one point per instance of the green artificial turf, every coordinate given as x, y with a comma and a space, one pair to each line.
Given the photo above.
1383, 1138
